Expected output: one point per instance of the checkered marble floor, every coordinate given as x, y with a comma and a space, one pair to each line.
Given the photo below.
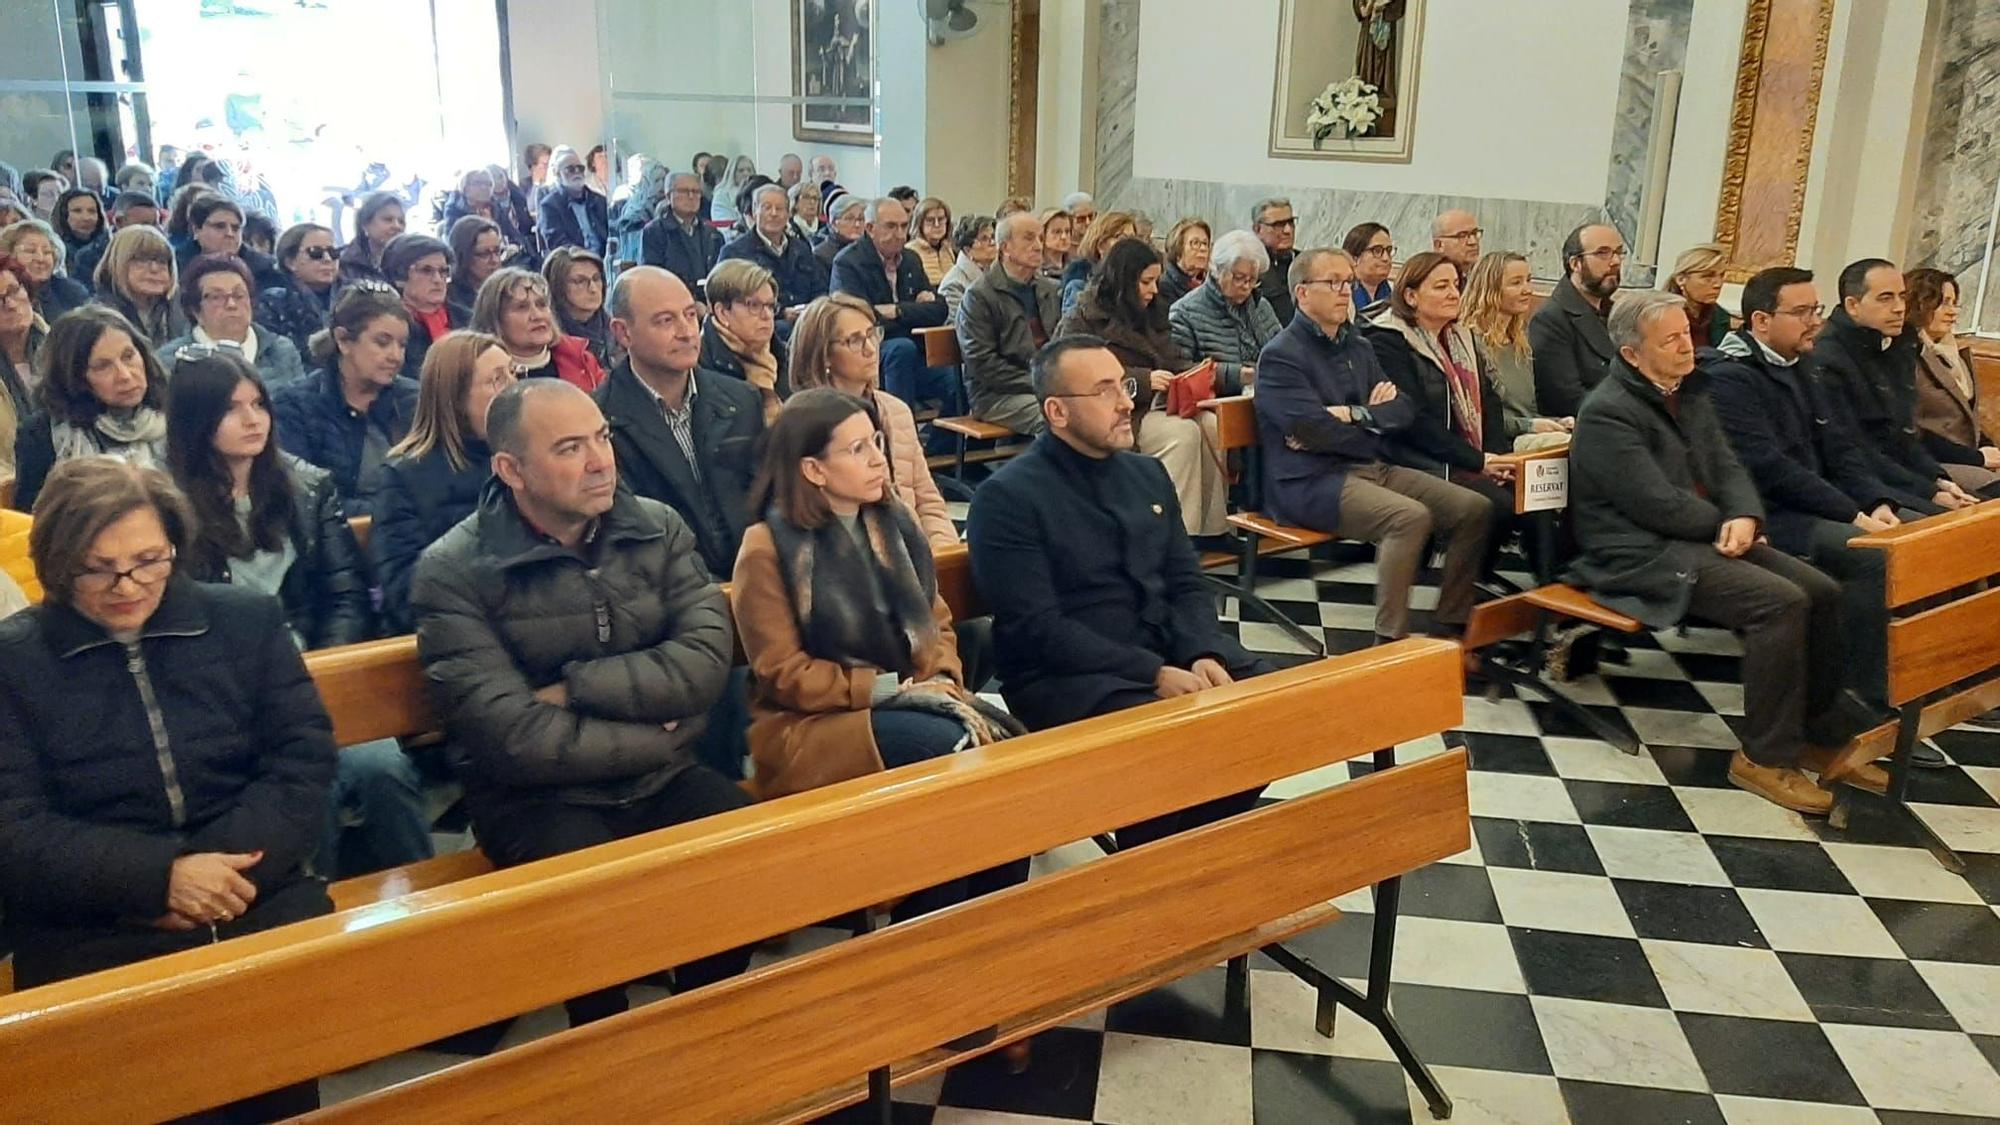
1629, 939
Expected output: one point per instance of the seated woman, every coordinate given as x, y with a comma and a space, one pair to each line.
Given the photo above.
1189, 243
298, 309
805, 200
216, 295
79, 222
432, 477
345, 415
1460, 427
420, 267
514, 306
740, 337
1497, 300
1121, 305
1697, 279
1374, 254
930, 237
1226, 319
1106, 230
977, 251
853, 662
377, 221
272, 523
477, 250
1947, 396
101, 395
845, 217
34, 244
126, 664
21, 336
1058, 237
577, 283
137, 277
838, 344
478, 196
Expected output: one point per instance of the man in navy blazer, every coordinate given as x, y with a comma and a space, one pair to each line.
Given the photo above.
681, 241
572, 214
881, 269
1323, 409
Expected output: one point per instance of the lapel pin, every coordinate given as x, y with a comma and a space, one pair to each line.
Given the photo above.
1158, 511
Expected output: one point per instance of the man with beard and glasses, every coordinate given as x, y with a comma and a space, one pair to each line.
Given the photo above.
1571, 344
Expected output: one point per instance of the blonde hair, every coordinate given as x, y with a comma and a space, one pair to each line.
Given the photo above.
509, 281
1105, 229
1694, 259
127, 246
735, 279
1481, 313
13, 233
438, 422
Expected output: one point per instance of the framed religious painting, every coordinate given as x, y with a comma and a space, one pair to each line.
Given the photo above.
833, 69
1347, 79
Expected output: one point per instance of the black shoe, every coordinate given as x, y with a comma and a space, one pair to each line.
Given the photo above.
1990, 721
1924, 756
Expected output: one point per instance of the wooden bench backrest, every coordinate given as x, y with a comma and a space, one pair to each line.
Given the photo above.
376, 689
1932, 646
940, 346
1522, 463
1235, 422
742, 1049
1986, 375
401, 973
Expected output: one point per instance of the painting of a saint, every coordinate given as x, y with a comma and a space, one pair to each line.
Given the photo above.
832, 56
1327, 51
1375, 54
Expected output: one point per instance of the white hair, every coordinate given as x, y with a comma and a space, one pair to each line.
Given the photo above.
1073, 199
1004, 229
757, 199
1236, 246
1636, 312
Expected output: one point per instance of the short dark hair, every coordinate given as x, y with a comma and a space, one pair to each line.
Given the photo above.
126, 200
1760, 293
1417, 270
503, 417
1854, 279
294, 237
65, 363
969, 228
905, 194
1573, 245
204, 207
257, 225
202, 266
371, 205
1359, 237
802, 429
1045, 370
82, 497
406, 250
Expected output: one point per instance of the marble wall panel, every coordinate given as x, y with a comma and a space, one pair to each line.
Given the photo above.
1951, 225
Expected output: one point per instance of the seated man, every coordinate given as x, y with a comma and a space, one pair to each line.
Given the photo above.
1456, 235
881, 269
681, 241
1006, 315
1567, 335
1323, 409
770, 244
573, 643
1668, 525
570, 214
1078, 548
1274, 224
1870, 362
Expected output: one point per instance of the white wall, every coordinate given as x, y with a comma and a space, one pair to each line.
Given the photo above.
1701, 132
965, 159
1066, 105
1514, 100
555, 103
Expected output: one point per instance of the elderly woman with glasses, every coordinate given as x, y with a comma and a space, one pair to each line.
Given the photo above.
514, 305
35, 245
1190, 244
420, 267
137, 277
128, 666
216, 295
740, 336
1226, 319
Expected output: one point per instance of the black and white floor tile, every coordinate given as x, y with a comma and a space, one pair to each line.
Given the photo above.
1629, 940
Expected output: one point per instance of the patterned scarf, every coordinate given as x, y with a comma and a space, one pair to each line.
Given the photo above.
140, 437
760, 368
1463, 383
859, 607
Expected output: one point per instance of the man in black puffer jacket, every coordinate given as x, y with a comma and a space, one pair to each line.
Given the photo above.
574, 644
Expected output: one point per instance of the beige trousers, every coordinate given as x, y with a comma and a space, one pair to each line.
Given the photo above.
1186, 447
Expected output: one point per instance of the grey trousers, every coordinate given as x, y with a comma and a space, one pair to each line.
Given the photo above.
1788, 617
1397, 509
1019, 413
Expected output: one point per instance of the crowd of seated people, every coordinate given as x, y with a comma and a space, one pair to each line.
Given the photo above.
570, 417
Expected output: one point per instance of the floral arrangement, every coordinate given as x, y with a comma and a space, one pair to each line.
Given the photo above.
1349, 105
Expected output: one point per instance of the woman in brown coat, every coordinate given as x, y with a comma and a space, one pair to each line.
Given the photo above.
854, 667
1947, 402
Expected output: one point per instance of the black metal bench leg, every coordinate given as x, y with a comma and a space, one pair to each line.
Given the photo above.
1500, 671
1899, 787
1245, 592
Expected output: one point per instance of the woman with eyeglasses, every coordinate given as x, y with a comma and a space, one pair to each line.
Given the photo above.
1374, 254
977, 251
377, 221
421, 268
514, 305
165, 773
1121, 305
216, 296
79, 222
1226, 318
100, 395
269, 522
740, 337
838, 344
138, 278
1697, 278
577, 286
479, 248
345, 416
1498, 298
1057, 239
805, 199
296, 310
930, 237
846, 216
34, 244
22, 333
1189, 244
478, 196
432, 478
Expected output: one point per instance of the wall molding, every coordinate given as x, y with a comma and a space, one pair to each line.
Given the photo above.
1764, 170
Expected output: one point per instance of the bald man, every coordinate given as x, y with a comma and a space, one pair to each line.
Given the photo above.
1456, 235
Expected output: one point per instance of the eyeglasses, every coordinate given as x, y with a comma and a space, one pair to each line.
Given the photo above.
1195, 244
435, 273
492, 255
1279, 224
145, 573
321, 253
1461, 236
1805, 312
226, 299
868, 341
1109, 392
1607, 254
770, 308
571, 170
1333, 284
862, 447
1379, 252
585, 281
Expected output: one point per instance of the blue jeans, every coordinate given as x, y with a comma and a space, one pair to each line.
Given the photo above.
376, 783
905, 376
904, 738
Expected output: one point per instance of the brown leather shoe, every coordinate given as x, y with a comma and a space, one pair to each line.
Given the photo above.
1826, 762
1780, 785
